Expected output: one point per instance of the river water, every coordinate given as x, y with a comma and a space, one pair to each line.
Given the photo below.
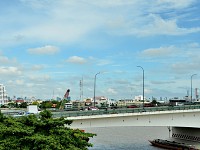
126, 138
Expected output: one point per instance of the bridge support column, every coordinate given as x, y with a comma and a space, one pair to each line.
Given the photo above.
186, 133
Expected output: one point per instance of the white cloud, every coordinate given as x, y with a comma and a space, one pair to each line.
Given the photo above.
39, 78
111, 91
61, 22
6, 60
185, 67
152, 18
155, 25
160, 52
76, 60
102, 62
190, 59
19, 82
35, 4
37, 67
122, 81
148, 91
30, 85
10, 71
47, 50
175, 4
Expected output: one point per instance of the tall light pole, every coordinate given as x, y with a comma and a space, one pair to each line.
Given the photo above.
143, 85
95, 86
81, 89
191, 85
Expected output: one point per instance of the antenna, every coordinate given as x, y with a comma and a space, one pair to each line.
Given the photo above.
53, 95
81, 89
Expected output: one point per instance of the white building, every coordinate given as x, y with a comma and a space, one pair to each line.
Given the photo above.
101, 101
68, 106
3, 95
139, 98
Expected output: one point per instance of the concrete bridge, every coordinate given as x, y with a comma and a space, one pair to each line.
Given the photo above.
184, 123
178, 118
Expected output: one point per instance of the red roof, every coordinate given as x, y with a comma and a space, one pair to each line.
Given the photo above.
19, 101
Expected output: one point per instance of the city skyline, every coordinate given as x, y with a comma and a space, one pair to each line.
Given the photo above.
47, 47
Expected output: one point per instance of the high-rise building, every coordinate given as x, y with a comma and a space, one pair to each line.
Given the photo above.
3, 95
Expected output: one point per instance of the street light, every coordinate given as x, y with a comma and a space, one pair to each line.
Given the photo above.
95, 85
143, 84
191, 85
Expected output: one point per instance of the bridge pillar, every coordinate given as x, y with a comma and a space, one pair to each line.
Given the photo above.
186, 133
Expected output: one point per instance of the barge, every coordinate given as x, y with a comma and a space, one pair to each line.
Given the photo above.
172, 145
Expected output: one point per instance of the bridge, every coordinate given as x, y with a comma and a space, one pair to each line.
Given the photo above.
179, 118
183, 116
184, 120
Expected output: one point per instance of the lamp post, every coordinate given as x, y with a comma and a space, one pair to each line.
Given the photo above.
191, 85
143, 85
95, 86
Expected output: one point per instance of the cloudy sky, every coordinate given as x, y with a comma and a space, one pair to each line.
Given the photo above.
48, 46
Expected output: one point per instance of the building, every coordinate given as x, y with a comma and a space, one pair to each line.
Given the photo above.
139, 98
68, 106
3, 95
125, 102
177, 101
129, 102
101, 101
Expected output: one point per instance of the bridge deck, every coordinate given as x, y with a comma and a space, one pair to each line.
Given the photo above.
122, 111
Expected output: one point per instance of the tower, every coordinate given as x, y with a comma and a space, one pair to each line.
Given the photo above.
3, 95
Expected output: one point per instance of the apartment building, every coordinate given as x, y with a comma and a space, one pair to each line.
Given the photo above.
3, 95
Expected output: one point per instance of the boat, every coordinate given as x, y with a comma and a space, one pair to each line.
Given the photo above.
172, 145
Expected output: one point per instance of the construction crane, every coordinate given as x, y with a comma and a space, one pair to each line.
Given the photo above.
66, 97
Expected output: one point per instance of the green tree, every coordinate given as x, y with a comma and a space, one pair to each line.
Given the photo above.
154, 101
35, 103
23, 105
46, 104
57, 103
3, 106
43, 133
16, 105
11, 105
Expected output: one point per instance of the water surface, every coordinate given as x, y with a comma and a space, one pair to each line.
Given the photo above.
126, 138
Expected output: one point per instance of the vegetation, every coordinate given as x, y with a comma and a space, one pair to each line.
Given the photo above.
15, 105
154, 102
43, 133
52, 104
46, 104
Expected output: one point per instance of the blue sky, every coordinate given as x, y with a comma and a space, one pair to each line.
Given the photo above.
48, 46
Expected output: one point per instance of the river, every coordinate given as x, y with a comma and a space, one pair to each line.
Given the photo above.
126, 138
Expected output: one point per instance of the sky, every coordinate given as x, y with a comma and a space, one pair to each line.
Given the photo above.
49, 46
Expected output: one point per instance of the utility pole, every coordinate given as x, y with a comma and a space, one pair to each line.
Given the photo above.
95, 86
191, 85
143, 85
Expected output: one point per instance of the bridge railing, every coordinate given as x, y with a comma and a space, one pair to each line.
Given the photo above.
122, 110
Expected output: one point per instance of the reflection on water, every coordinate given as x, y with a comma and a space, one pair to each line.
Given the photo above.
126, 138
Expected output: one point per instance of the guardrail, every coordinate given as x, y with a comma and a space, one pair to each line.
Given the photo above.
122, 110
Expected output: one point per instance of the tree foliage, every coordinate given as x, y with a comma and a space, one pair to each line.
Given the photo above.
49, 104
43, 133
23, 105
